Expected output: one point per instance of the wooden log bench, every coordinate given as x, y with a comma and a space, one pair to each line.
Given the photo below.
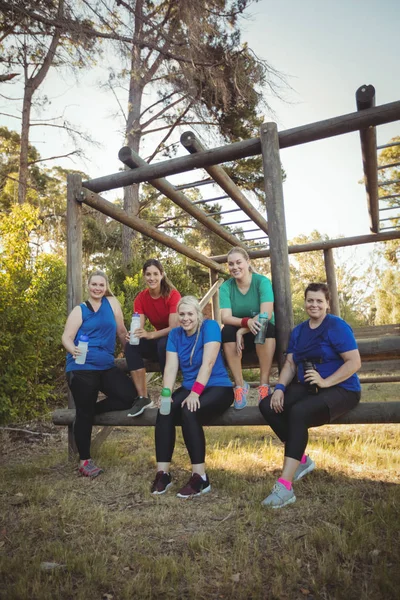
384, 347
365, 412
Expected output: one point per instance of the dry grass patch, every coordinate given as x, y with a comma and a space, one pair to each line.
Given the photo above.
112, 539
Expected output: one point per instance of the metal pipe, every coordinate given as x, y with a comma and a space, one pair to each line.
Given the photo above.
210, 199
238, 222
389, 182
388, 145
390, 196
386, 113
188, 186
224, 212
389, 166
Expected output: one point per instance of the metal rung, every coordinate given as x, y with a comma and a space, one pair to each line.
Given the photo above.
389, 208
187, 186
387, 197
388, 145
389, 182
210, 200
396, 164
238, 222
389, 219
250, 230
257, 238
392, 228
224, 212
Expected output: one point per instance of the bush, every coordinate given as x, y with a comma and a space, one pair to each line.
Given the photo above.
32, 316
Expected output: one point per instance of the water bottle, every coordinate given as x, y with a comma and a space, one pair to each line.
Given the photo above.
165, 407
135, 324
262, 332
83, 344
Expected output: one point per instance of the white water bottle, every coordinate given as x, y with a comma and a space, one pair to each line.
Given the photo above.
83, 347
135, 324
165, 406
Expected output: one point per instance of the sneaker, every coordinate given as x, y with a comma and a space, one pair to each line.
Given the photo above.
240, 394
89, 469
161, 483
195, 487
279, 497
304, 469
139, 405
263, 391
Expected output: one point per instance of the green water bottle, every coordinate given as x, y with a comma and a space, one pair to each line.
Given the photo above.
165, 407
262, 332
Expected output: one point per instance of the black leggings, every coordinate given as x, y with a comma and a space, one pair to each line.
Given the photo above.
85, 387
153, 349
301, 411
213, 401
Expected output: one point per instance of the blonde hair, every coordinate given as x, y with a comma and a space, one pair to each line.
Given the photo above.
193, 303
243, 252
99, 273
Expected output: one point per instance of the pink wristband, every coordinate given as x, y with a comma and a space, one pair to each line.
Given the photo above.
198, 388
244, 321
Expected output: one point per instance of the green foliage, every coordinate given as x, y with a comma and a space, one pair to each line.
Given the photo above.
390, 156
32, 316
387, 298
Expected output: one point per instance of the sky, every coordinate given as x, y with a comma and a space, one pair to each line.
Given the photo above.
326, 49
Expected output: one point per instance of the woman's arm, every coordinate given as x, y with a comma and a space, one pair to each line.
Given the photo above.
154, 335
228, 319
119, 318
71, 328
171, 370
285, 377
210, 353
352, 363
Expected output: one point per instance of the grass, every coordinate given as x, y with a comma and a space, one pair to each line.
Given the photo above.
113, 540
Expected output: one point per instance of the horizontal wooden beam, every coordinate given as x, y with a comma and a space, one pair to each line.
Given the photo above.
117, 213
322, 245
365, 412
378, 115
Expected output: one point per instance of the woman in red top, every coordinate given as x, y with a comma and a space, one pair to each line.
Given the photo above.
158, 304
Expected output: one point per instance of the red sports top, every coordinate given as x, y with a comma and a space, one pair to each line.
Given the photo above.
157, 310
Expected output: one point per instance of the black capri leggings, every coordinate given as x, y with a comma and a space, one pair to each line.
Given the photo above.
213, 401
85, 387
228, 334
153, 349
303, 410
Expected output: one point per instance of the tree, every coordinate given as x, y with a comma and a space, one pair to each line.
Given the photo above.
33, 42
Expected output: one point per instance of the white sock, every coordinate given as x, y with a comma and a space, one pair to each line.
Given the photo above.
204, 477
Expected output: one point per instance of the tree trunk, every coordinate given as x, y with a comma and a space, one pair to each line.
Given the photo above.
133, 136
23, 154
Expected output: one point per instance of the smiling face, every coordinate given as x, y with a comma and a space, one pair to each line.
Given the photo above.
153, 277
316, 305
238, 266
188, 318
97, 287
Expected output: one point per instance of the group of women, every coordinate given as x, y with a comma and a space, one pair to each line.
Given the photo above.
322, 351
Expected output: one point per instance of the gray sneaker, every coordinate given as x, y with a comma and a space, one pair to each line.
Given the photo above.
279, 497
139, 405
304, 469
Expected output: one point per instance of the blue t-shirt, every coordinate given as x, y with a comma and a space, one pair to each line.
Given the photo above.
323, 346
101, 329
182, 344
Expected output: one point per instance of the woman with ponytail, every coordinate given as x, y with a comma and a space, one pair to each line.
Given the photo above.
195, 348
158, 304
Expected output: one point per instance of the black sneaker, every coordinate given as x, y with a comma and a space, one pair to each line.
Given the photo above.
161, 483
195, 487
139, 405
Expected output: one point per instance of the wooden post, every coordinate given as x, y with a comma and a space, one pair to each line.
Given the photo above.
331, 281
216, 312
365, 98
278, 238
74, 268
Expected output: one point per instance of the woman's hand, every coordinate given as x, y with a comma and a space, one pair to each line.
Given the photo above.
143, 334
312, 376
192, 402
77, 352
277, 401
240, 341
254, 325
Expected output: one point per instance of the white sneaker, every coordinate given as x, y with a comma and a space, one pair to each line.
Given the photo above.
304, 469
